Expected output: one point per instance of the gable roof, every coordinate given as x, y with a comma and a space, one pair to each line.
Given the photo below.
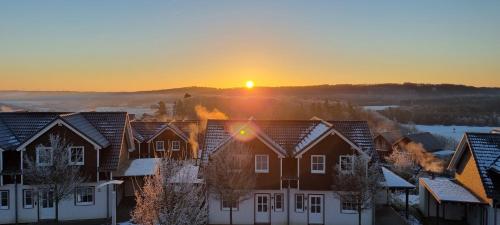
485, 148
289, 134
106, 129
145, 131
428, 141
389, 136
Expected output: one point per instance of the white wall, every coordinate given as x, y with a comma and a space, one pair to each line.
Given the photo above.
245, 213
67, 208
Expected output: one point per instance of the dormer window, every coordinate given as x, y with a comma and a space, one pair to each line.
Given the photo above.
44, 156
346, 163
261, 163
176, 146
160, 146
76, 155
317, 163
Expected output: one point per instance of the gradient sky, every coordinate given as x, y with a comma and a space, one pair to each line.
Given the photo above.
142, 45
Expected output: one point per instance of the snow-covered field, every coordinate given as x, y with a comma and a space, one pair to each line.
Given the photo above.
455, 132
379, 107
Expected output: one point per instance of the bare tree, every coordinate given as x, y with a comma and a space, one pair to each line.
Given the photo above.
58, 175
230, 175
357, 182
173, 196
403, 163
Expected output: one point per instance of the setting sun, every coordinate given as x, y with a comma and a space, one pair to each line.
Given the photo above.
249, 84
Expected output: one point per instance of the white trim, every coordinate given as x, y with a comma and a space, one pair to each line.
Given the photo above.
340, 163
51, 125
70, 156
172, 145
459, 152
160, 149
167, 127
323, 157
332, 132
26, 206
231, 138
266, 170
37, 153
298, 173
85, 189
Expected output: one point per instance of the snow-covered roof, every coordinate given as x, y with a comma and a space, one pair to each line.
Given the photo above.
445, 190
392, 180
187, 174
138, 167
314, 134
444, 153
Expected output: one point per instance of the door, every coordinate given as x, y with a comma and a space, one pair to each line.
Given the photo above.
262, 208
46, 201
316, 209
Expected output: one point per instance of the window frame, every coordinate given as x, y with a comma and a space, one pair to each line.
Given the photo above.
235, 208
162, 144
70, 154
301, 209
28, 206
259, 170
323, 157
353, 209
38, 149
4, 207
352, 163
178, 144
276, 209
86, 189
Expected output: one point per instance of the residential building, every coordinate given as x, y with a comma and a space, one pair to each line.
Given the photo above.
294, 162
384, 143
472, 195
102, 139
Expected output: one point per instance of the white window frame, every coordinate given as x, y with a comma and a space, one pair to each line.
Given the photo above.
162, 144
301, 209
70, 154
235, 208
80, 191
282, 203
323, 157
352, 209
178, 143
341, 160
258, 164
38, 149
25, 204
4, 193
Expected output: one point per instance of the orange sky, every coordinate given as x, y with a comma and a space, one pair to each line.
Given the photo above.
96, 46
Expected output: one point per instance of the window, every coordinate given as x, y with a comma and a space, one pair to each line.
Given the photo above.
227, 205
44, 156
278, 202
84, 196
4, 199
176, 146
317, 164
28, 199
261, 163
299, 203
346, 163
76, 155
160, 146
349, 207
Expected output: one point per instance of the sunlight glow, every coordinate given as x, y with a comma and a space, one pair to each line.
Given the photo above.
249, 84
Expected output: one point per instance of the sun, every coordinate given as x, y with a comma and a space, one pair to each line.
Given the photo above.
249, 84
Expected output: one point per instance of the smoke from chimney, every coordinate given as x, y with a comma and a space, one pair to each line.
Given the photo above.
203, 115
425, 159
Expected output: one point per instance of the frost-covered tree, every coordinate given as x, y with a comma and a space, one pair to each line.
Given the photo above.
357, 184
403, 163
173, 196
60, 175
230, 175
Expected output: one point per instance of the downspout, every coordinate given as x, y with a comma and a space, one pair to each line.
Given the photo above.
494, 212
16, 198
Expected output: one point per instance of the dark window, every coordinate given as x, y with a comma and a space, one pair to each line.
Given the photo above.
84, 196
278, 202
28, 199
299, 203
4, 199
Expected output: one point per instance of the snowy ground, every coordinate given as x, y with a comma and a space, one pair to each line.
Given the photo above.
126, 223
379, 107
455, 132
412, 199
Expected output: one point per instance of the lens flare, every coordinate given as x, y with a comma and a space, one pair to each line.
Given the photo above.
249, 84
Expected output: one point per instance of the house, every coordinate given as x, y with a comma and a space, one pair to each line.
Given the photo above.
384, 141
428, 141
294, 162
101, 138
176, 139
472, 195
